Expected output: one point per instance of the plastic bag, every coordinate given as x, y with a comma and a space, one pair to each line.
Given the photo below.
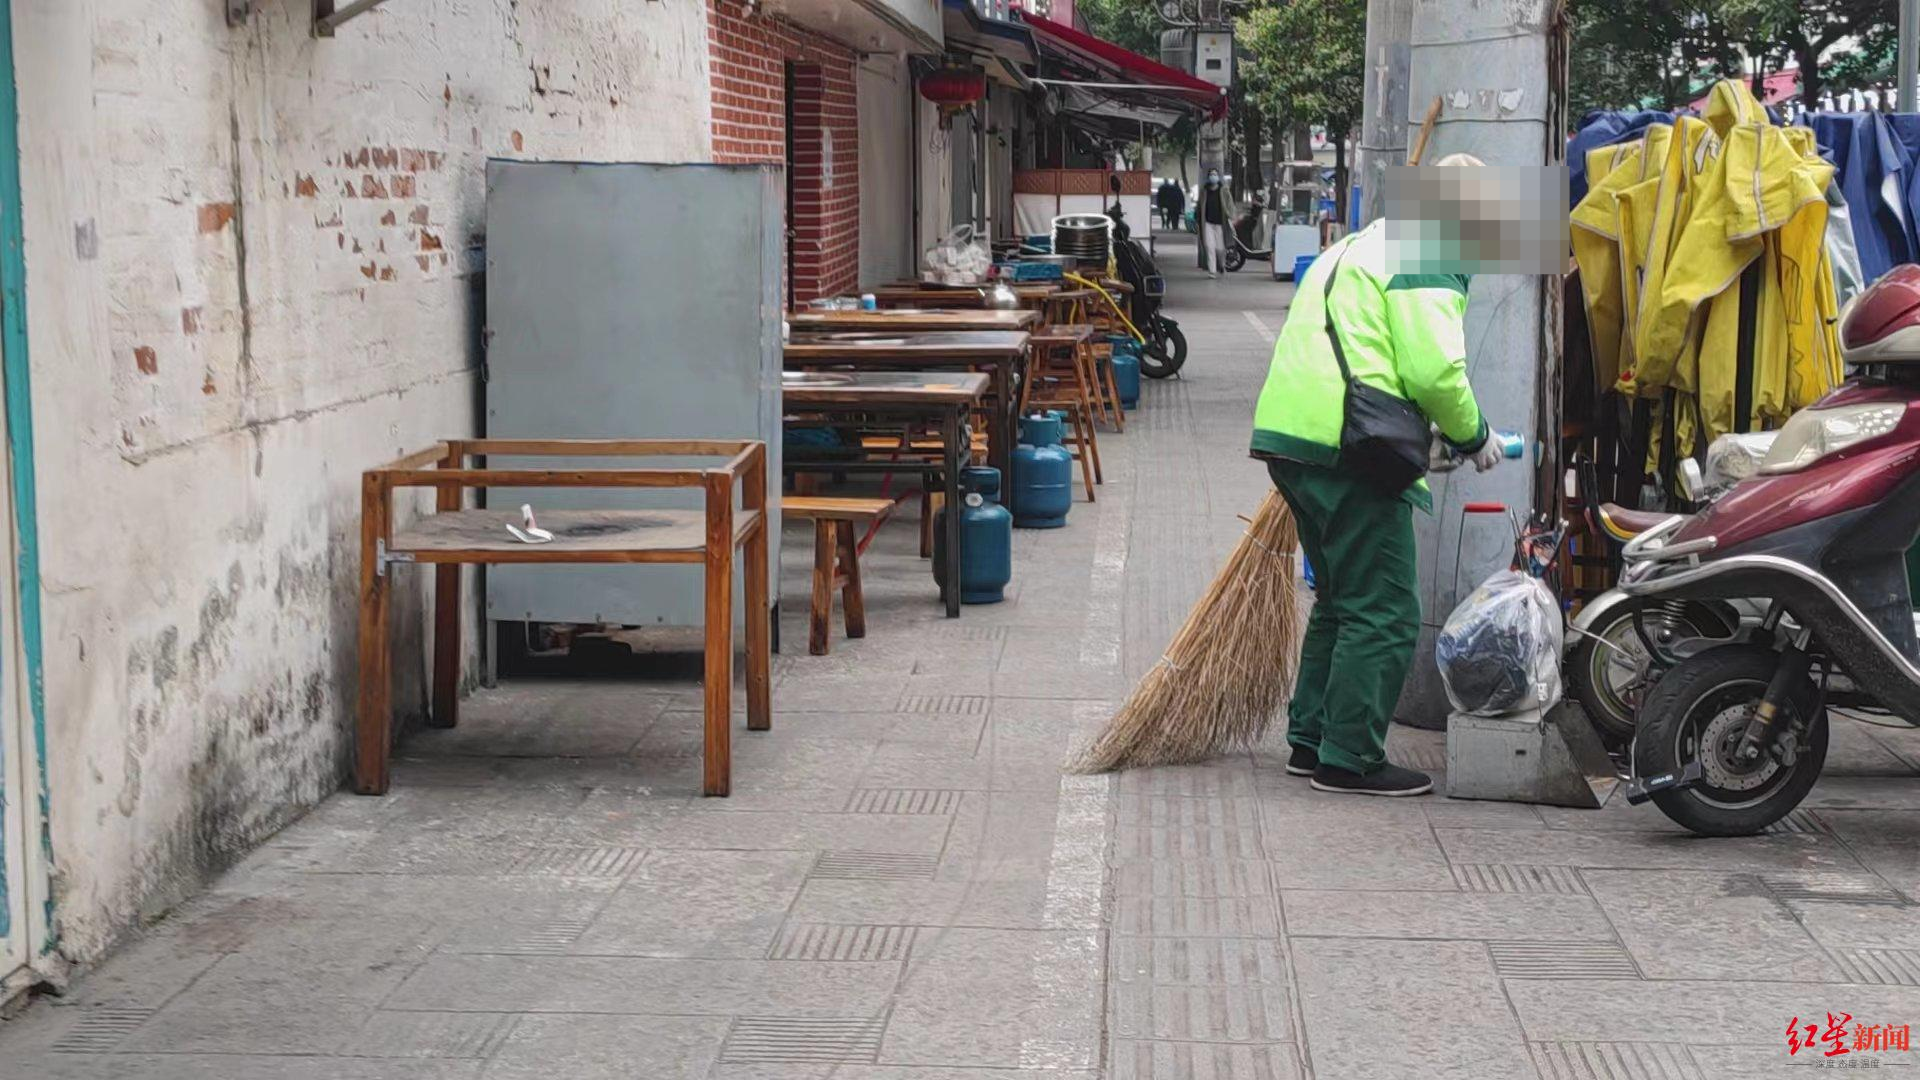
1733, 458
1500, 649
959, 259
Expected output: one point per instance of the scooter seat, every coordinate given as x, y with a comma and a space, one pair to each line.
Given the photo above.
1624, 524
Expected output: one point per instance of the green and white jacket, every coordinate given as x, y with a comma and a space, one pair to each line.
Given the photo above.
1403, 333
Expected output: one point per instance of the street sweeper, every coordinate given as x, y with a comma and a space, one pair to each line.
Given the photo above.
1367, 387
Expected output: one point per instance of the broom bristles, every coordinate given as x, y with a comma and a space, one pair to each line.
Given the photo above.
1229, 670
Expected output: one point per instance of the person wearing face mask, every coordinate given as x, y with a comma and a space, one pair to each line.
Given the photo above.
1213, 222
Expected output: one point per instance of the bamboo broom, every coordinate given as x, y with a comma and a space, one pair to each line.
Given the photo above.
1229, 669
1231, 666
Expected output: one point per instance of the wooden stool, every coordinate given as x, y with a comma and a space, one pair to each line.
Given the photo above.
836, 561
1062, 378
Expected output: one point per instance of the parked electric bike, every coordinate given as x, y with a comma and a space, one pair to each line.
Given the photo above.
1734, 736
1165, 347
1245, 237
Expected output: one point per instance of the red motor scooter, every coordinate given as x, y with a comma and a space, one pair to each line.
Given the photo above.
1732, 737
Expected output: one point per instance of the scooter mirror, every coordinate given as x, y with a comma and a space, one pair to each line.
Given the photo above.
1692, 484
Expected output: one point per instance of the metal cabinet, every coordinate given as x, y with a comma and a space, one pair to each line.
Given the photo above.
629, 301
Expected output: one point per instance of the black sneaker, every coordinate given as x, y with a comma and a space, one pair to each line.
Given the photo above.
1302, 762
1391, 780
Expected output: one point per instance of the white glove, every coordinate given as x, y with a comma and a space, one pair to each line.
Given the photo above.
1489, 454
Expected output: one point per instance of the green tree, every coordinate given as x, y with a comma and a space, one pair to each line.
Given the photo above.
1130, 24
1647, 53
1807, 30
1304, 62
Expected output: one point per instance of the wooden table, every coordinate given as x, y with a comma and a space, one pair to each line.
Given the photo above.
1001, 352
915, 295
842, 397
917, 319
454, 534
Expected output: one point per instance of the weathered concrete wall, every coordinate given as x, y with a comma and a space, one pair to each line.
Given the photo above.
252, 260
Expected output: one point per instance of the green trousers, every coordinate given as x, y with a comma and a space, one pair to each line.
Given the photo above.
1366, 614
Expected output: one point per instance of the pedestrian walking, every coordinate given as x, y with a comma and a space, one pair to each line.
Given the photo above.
1213, 221
1360, 334
1177, 195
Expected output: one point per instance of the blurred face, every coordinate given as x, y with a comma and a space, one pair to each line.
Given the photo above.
1213, 179
1494, 219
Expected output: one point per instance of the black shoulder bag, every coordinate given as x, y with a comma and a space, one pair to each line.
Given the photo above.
1383, 438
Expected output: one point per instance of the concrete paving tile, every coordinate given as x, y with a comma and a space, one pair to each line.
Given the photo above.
571, 724
1002, 998
1434, 1010
1859, 926
1704, 1013
1670, 851
225, 1021
1223, 779
1479, 814
1706, 925
699, 904
843, 1071
1150, 1059
1344, 847
1854, 749
789, 1070
618, 984
1862, 792
216, 1066
1000, 835
1886, 841
558, 1045
1471, 916
737, 830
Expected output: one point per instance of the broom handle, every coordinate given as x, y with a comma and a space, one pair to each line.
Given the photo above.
1426, 132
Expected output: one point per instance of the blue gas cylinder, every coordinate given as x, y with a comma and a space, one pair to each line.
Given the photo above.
986, 539
1126, 376
1042, 489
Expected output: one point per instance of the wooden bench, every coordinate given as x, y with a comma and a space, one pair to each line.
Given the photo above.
454, 534
836, 560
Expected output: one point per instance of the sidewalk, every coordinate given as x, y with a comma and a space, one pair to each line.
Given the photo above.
904, 886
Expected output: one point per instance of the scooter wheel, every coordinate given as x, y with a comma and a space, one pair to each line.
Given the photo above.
1165, 351
1235, 260
1610, 662
1697, 712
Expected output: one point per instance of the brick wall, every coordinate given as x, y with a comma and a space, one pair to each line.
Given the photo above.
747, 61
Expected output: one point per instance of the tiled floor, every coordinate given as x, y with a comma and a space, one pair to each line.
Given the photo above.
905, 887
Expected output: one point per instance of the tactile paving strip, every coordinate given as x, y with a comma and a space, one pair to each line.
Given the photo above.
1613, 1061
1515, 878
1561, 960
903, 801
843, 942
803, 1039
873, 866
102, 1029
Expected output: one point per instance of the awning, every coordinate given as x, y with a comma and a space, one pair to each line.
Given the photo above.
1101, 78
1003, 47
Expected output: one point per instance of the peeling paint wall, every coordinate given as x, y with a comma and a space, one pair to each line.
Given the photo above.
252, 263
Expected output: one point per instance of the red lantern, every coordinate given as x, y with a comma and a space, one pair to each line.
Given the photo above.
953, 89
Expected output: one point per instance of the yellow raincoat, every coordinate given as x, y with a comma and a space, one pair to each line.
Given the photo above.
1669, 224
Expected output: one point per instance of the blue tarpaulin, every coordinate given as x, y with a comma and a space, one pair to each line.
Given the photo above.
1877, 156
1602, 128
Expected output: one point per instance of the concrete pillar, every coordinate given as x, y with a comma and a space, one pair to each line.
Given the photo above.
1383, 121
1489, 66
